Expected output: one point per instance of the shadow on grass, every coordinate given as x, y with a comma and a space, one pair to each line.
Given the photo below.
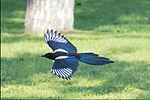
17, 70
118, 77
92, 14
13, 14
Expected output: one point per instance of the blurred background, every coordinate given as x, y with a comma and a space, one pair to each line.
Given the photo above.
117, 29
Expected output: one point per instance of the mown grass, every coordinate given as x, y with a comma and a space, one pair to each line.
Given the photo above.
117, 29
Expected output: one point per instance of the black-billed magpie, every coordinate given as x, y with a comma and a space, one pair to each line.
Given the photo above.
66, 56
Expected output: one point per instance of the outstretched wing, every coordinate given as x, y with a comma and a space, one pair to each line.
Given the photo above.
58, 41
65, 66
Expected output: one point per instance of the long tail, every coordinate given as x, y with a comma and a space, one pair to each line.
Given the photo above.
93, 59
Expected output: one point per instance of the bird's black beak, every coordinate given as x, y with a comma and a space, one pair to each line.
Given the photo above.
43, 56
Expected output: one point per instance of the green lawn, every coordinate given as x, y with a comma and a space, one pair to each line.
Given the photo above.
117, 29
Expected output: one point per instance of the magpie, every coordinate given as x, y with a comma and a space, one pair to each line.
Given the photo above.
66, 56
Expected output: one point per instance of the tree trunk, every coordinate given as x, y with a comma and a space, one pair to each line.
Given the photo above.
49, 14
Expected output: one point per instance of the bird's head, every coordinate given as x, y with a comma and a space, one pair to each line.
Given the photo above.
48, 55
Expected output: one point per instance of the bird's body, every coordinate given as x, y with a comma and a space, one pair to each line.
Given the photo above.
66, 56
56, 55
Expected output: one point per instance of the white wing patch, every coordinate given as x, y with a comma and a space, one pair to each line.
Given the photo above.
50, 36
61, 57
63, 73
60, 50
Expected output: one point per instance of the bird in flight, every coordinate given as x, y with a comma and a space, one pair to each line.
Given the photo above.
66, 56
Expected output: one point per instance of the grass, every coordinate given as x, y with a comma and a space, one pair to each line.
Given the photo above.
117, 29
